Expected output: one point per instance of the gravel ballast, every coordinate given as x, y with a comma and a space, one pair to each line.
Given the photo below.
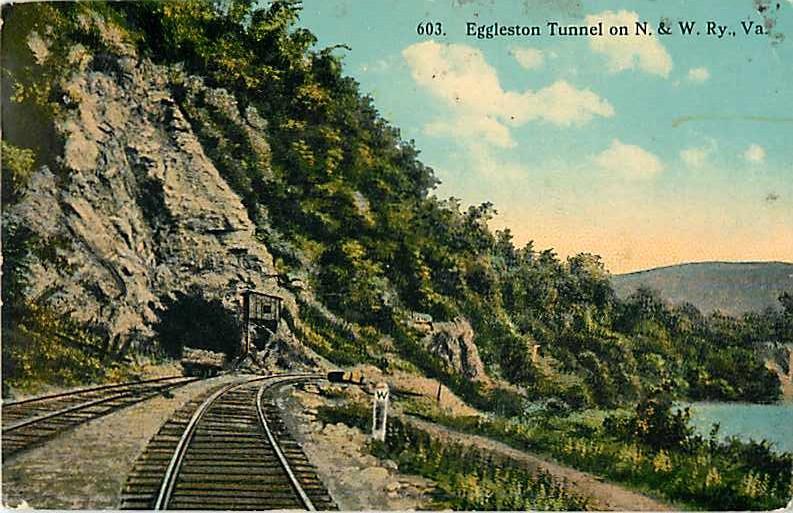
86, 468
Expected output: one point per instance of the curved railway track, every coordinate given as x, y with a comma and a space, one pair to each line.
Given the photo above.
29, 422
227, 450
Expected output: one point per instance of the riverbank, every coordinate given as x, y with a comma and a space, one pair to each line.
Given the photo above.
655, 455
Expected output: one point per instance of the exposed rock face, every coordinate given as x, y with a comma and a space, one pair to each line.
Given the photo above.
145, 210
453, 342
284, 351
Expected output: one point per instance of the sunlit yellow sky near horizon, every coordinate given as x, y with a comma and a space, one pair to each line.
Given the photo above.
645, 150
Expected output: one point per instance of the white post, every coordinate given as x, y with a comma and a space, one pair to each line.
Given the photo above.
380, 411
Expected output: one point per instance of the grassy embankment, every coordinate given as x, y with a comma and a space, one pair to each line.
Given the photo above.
698, 472
467, 478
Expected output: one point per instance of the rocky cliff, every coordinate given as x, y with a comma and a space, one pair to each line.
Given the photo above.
453, 343
139, 190
144, 211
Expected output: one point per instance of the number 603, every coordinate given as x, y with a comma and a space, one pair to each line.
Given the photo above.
430, 28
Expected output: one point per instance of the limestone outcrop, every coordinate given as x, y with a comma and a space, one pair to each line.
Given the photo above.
453, 342
143, 211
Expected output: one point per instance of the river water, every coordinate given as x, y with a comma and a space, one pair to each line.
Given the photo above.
773, 422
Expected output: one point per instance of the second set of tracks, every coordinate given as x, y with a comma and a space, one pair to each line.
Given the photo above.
227, 450
29, 422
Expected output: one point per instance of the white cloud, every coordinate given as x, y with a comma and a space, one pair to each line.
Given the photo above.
460, 76
629, 52
754, 154
628, 160
698, 75
529, 58
696, 157
491, 164
473, 127
378, 66
562, 104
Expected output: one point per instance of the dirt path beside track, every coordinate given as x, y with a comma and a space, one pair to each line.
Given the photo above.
607, 496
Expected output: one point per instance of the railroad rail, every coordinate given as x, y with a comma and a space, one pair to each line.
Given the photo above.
29, 422
227, 450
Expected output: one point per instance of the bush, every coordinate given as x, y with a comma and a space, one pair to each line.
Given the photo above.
192, 320
337, 343
17, 167
655, 423
42, 348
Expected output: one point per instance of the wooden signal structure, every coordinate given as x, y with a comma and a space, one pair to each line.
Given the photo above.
259, 309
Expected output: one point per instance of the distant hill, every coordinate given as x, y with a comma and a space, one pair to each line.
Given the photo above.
733, 288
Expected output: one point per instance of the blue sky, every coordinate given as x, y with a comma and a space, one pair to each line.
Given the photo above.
645, 150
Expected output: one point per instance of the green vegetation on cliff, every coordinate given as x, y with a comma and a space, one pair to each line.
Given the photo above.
342, 201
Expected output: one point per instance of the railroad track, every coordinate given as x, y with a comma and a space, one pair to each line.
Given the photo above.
227, 450
29, 422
